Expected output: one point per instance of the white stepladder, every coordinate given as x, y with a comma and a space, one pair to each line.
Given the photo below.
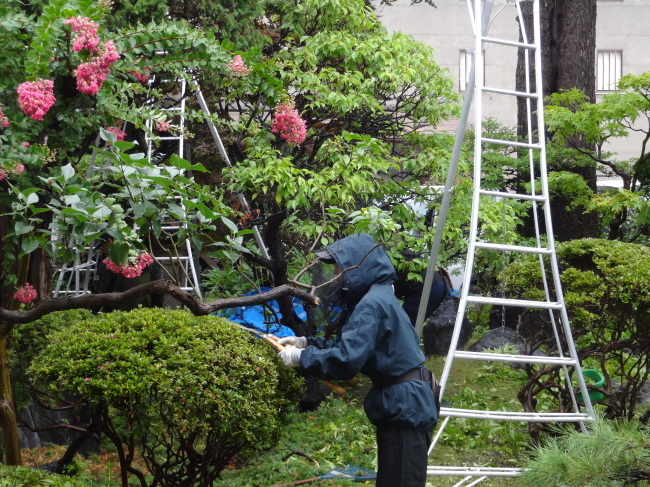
565, 357
185, 261
180, 260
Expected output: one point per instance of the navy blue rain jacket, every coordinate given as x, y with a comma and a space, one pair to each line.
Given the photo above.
377, 340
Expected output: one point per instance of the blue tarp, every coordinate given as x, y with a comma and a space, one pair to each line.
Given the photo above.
265, 317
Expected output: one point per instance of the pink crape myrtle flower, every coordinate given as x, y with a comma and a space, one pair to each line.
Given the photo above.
238, 67
86, 33
26, 293
162, 126
36, 97
90, 77
17, 169
132, 269
287, 122
143, 76
4, 121
108, 55
118, 133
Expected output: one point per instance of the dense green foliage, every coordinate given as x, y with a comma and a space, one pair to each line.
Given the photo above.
606, 286
54, 195
371, 101
195, 391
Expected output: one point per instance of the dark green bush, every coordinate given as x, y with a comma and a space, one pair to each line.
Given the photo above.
192, 391
28, 477
606, 286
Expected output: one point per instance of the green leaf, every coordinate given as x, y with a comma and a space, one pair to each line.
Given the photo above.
67, 171
22, 228
231, 225
31, 243
119, 252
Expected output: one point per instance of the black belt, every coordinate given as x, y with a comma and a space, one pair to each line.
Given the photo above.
419, 373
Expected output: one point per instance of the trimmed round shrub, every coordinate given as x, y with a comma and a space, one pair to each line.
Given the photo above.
192, 391
28, 477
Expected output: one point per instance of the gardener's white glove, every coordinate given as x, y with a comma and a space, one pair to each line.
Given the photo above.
291, 356
298, 342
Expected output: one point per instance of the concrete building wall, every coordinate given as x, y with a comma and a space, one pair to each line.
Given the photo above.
622, 25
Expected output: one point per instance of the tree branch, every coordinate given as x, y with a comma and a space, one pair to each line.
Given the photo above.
116, 299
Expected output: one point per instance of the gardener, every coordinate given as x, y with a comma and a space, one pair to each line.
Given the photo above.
378, 340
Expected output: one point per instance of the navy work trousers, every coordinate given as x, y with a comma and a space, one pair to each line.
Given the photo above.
402, 457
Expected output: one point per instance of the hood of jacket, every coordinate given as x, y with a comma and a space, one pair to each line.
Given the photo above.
363, 263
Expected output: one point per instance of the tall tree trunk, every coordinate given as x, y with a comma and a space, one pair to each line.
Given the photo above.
568, 29
7, 412
8, 422
35, 269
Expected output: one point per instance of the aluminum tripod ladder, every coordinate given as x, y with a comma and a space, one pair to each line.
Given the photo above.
534, 149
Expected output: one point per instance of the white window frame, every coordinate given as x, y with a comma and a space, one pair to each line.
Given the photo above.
609, 69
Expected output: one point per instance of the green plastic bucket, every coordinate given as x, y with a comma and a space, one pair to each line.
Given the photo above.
594, 378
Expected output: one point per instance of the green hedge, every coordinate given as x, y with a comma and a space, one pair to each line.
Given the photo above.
197, 388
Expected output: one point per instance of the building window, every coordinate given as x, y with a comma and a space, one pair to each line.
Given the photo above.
610, 70
465, 66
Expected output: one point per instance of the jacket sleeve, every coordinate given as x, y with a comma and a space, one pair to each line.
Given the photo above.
321, 342
343, 357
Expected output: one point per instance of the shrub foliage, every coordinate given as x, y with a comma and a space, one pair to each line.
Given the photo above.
606, 286
192, 392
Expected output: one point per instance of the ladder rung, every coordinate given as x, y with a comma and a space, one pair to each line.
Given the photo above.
170, 138
502, 194
515, 416
521, 303
81, 267
514, 248
504, 357
167, 259
474, 471
524, 145
506, 42
521, 94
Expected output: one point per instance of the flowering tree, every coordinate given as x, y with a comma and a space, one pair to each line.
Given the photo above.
69, 86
